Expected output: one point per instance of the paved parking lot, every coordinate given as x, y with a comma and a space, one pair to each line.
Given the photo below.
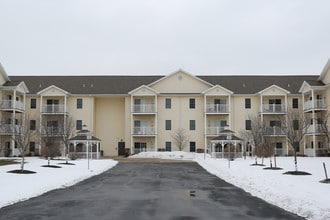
147, 190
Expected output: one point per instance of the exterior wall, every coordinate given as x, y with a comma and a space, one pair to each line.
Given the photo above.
86, 114
109, 122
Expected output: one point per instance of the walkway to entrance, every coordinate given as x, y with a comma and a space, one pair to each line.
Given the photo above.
148, 191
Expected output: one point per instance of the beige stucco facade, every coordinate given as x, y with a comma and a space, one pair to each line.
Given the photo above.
147, 117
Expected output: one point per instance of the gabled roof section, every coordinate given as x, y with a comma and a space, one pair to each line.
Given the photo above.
16, 85
3, 76
143, 87
325, 71
21, 87
274, 87
180, 82
310, 85
184, 72
53, 88
217, 87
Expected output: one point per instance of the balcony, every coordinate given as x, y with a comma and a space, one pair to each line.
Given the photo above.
217, 108
273, 109
214, 130
9, 129
144, 108
11, 105
317, 129
144, 131
319, 104
51, 132
53, 109
275, 131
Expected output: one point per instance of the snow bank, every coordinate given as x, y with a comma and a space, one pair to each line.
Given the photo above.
19, 187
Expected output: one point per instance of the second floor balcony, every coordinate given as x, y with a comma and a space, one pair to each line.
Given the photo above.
274, 131
273, 108
317, 129
144, 131
51, 132
53, 109
11, 105
214, 130
144, 108
217, 108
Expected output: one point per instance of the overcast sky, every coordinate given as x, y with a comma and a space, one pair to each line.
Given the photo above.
154, 37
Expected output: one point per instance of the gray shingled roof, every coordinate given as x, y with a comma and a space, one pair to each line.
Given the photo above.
124, 84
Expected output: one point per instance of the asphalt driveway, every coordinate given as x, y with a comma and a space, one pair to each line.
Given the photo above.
174, 191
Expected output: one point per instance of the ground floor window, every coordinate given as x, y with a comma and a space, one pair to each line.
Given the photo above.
140, 147
32, 146
168, 146
192, 146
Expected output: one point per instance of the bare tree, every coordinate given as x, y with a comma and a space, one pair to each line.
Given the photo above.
180, 138
295, 130
254, 135
22, 137
51, 136
68, 129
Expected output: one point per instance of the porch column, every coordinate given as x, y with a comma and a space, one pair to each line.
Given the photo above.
303, 112
222, 149
40, 123
98, 150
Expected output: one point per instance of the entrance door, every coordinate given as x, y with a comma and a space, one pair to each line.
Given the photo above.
275, 105
121, 148
52, 105
140, 147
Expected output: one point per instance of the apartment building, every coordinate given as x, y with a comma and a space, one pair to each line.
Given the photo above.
142, 113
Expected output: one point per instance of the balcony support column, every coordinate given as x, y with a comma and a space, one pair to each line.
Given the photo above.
40, 123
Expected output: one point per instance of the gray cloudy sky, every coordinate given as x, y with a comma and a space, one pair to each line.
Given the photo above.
50, 37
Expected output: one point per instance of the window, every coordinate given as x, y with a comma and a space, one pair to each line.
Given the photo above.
168, 146
247, 124
32, 125
274, 123
247, 103
192, 125
168, 125
33, 104
32, 146
192, 146
79, 125
168, 103
191, 103
79, 103
295, 124
295, 103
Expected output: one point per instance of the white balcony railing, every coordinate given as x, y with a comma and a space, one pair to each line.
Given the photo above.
273, 108
214, 130
217, 108
9, 129
53, 109
275, 130
144, 130
51, 131
144, 108
318, 104
10, 104
311, 129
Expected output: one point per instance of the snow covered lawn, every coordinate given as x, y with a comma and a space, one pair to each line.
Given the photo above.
19, 187
303, 195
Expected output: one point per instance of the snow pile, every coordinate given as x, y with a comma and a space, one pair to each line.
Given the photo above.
174, 155
303, 195
19, 187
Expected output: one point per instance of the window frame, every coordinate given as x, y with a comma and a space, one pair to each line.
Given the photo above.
247, 103
168, 103
79, 103
33, 103
79, 124
33, 125
295, 103
168, 125
192, 103
248, 125
192, 125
